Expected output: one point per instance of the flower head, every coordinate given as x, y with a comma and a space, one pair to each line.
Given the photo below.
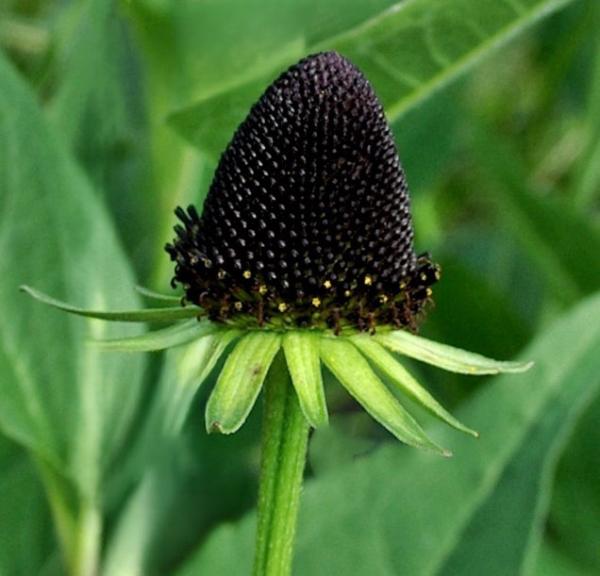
305, 245
307, 221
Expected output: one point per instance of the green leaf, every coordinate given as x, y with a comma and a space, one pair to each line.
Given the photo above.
61, 398
144, 315
445, 38
562, 243
401, 512
404, 381
240, 381
445, 357
354, 373
29, 543
575, 494
79, 58
302, 357
176, 335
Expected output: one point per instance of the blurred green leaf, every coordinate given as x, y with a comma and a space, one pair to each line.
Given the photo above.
98, 104
576, 496
405, 512
79, 59
564, 245
444, 38
60, 398
552, 563
26, 540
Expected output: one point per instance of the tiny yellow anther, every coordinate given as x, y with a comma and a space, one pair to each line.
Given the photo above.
423, 276
347, 293
368, 280
316, 302
429, 291
383, 298
262, 289
402, 285
238, 306
282, 307
247, 274
327, 284
221, 274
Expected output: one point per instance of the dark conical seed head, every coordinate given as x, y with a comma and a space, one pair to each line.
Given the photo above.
307, 221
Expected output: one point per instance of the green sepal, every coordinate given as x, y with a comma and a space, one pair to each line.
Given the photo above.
144, 315
352, 370
193, 366
444, 356
175, 335
151, 294
404, 381
240, 381
301, 350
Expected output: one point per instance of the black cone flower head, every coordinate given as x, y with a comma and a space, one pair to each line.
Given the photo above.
307, 221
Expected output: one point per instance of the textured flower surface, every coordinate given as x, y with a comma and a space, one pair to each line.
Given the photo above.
305, 248
307, 221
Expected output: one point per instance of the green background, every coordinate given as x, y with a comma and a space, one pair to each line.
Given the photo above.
112, 113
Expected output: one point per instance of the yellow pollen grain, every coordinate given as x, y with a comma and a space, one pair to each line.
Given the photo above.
383, 298
316, 302
429, 291
247, 274
368, 280
282, 307
347, 293
262, 289
327, 284
238, 306
423, 276
402, 285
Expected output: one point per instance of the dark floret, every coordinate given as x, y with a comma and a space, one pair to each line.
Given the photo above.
307, 221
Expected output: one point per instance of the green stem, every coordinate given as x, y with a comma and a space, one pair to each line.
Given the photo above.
284, 440
77, 521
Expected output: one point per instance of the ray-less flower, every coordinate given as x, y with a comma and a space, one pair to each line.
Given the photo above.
303, 257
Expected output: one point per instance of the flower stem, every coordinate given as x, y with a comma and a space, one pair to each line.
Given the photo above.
284, 441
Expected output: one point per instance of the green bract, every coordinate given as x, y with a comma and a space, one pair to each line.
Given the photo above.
369, 366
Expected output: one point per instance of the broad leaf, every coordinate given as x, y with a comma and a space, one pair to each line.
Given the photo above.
404, 512
27, 541
408, 52
60, 398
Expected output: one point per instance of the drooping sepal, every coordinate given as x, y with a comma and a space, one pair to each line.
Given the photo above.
240, 381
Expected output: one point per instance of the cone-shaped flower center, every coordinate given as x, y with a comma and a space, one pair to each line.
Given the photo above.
307, 221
